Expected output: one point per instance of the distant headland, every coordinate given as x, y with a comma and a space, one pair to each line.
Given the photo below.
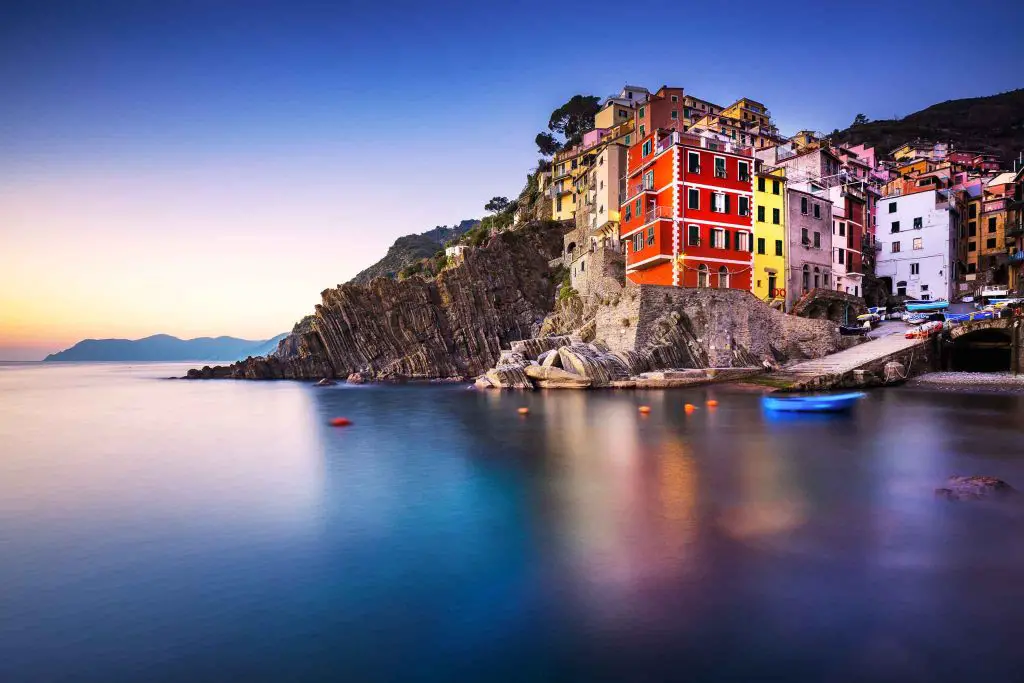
164, 347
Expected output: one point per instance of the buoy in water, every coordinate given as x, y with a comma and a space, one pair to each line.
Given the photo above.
689, 407
644, 409
712, 403
341, 422
524, 411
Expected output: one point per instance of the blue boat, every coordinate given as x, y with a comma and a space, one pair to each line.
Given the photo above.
918, 306
834, 403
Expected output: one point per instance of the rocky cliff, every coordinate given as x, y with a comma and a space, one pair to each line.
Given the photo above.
454, 325
410, 249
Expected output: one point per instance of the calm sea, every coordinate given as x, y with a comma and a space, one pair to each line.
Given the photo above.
155, 530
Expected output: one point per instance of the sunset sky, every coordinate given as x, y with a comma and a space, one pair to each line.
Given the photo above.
207, 168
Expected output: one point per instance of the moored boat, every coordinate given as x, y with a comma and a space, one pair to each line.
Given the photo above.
853, 330
922, 306
829, 403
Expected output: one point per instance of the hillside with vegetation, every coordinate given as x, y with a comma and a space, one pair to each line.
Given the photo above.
411, 249
993, 124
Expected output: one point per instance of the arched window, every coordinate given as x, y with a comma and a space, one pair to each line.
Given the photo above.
723, 278
807, 277
702, 275
817, 277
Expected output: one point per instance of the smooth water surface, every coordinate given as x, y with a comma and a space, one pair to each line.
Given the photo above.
158, 530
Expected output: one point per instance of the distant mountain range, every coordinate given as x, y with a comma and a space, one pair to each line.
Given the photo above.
993, 124
163, 347
411, 249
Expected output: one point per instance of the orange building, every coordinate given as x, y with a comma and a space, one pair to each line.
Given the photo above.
687, 216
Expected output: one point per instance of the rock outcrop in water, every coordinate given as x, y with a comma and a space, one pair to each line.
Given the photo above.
454, 325
974, 488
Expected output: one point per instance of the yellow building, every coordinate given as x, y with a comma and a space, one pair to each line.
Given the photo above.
748, 111
769, 277
613, 114
805, 139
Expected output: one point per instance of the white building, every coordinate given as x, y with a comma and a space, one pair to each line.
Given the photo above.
917, 234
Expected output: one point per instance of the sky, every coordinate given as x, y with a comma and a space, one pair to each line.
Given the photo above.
208, 168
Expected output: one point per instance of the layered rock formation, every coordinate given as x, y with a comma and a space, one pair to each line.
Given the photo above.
454, 325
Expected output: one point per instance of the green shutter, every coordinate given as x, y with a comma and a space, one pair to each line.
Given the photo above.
727, 198
725, 238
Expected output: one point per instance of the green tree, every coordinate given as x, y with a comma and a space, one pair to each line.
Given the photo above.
497, 204
546, 143
574, 118
860, 120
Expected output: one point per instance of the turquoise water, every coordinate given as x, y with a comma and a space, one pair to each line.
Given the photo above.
212, 531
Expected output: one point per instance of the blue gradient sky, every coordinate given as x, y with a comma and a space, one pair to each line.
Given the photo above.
205, 168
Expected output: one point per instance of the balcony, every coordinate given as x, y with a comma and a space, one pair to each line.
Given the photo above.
637, 189
992, 206
677, 138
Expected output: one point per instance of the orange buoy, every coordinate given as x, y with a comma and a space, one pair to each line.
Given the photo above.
712, 403
341, 422
524, 411
644, 409
689, 407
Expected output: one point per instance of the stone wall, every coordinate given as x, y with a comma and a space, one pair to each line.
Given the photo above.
720, 327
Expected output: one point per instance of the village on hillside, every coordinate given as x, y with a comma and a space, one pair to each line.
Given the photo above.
688, 193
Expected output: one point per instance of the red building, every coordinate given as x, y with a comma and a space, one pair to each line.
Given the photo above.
687, 217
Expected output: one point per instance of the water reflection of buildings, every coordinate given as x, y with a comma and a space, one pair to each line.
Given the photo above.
625, 492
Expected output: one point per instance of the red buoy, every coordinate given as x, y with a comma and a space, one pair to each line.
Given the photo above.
341, 422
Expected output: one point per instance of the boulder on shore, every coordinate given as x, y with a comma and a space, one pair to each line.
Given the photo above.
509, 377
556, 378
974, 488
357, 378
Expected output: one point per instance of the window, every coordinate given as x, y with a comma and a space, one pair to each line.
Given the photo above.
744, 206
675, 114
719, 238
803, 205
744, 171
915, 268
807, 277
775, 187
638, 242
649, 180
895, 226
990, 243
817, 211
719, 167
924, 288
842, 229
558, 204
901, 288
805, 237
918, 223
918, 243
702, 275
760, 245
693, 198
972, 210
760, 214
723, 278
693, 162
650, 236
637, 207
629, 212
646, 148
694, 237
817, 240
760, 184
743, 241
892, 207
971, 246
992, 224
643, 110
840, 256
675, 98
627, 140
778, 247
817, 277
972, 229
643, 130
894, 248
775, 216
720, 202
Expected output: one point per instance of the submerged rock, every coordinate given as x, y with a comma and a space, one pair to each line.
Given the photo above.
326, 382
974, 488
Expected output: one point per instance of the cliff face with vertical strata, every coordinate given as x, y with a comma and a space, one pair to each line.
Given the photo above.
452, 326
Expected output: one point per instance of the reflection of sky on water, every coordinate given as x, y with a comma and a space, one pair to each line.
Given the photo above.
443, 536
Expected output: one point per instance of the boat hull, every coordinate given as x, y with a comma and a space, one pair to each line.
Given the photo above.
836, 403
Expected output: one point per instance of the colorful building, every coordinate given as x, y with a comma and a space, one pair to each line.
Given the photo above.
770, 236
808, 244
664, 109
917, 234
687, 217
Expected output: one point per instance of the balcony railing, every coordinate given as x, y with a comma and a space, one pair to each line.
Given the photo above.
638, 188
657, 213
676, 138
993, 205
